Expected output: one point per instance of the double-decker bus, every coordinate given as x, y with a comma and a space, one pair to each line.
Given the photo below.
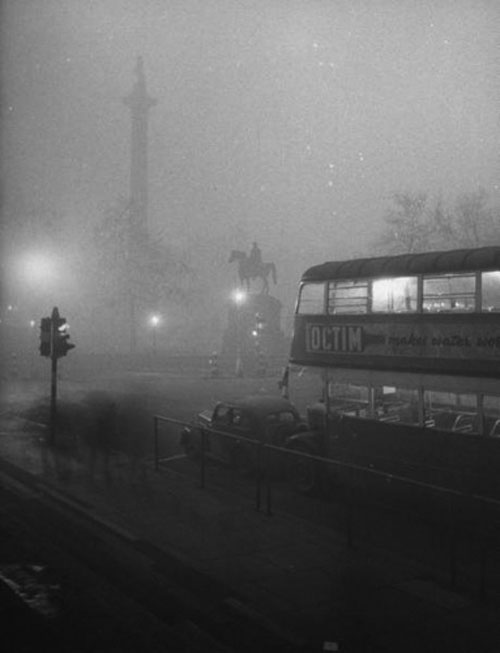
397, 361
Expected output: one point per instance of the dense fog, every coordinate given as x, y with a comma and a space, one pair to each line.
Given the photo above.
289, 123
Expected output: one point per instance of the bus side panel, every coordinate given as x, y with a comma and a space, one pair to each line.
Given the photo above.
468, 463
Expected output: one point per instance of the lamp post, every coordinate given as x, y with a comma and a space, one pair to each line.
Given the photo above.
239, 298
34, 338
154, 321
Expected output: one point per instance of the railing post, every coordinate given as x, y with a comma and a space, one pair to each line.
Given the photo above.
258, 486
482, 541
267, 473
350, 508
453, 544
482, 573
202, 465
157, 463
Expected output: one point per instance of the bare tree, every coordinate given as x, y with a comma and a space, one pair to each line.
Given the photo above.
473, 220
131, 271
407, 226
412, 225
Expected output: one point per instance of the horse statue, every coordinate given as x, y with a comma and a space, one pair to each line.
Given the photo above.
249, 270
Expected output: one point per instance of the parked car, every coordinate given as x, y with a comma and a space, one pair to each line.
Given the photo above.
248, 420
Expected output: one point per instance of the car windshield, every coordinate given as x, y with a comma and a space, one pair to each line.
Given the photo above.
282, 417
231, 416
223, 414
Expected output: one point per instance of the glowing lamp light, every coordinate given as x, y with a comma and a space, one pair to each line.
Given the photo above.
154, 320
36, 268
239, 297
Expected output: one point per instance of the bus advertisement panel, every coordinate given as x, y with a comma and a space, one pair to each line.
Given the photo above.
438, 311
469, 344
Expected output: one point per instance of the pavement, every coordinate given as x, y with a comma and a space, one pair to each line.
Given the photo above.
301, 580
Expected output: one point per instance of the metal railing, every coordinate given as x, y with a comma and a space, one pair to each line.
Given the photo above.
451, 501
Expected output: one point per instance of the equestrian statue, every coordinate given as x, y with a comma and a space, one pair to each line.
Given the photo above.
251, 267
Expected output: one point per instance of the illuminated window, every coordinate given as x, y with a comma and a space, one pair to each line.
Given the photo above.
394, 295
449, 293
312, 299
347, 297
491, 291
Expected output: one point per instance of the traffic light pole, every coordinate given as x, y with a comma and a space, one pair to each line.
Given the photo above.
54, 344
53, 399
53, 378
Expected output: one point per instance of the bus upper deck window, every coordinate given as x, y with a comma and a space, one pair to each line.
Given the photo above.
491, 291
311, 299
347, 297
449, 293
394, 295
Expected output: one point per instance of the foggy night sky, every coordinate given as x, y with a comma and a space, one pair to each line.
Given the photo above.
277, 120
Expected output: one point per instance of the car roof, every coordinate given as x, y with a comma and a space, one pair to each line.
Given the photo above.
261, 405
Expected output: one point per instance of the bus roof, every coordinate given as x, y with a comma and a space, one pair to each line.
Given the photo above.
458, 260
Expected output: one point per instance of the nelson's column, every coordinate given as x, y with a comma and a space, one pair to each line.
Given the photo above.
139, 103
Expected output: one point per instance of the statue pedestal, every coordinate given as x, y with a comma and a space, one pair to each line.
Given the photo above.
253, 343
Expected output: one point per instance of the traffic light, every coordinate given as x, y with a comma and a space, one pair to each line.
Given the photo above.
45, 336
61, 336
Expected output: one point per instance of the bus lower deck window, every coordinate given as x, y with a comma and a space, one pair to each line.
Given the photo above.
450, 411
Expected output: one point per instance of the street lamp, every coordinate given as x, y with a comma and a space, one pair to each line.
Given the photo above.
34, 276
154, 321
38, 270
239, 298
33, 348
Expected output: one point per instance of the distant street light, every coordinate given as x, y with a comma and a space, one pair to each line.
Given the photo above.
239, 298
37, 269
34, 277
154, 321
